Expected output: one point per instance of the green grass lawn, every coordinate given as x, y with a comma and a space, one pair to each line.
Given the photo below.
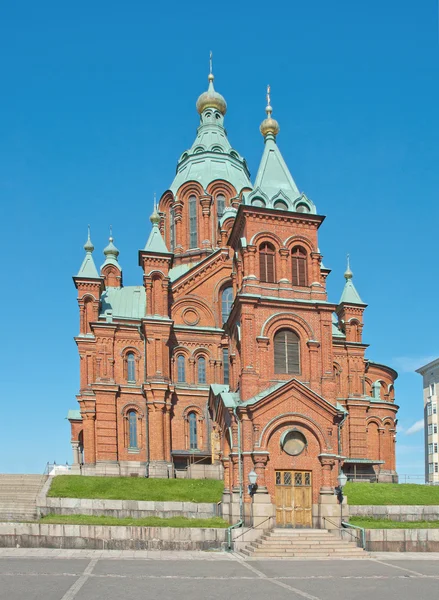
145, 522
391, 493
133, 488
370, 523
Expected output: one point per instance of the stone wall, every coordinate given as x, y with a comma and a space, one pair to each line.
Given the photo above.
36, 535
396, 513
125, 508
396, 540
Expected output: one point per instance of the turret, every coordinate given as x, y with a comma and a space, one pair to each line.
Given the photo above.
111, 270
89, 285
156, 260
350, 309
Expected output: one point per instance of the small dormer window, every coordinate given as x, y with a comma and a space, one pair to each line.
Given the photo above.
302, 208
198, 149
258, 202
217, 115
208, 115
280, 205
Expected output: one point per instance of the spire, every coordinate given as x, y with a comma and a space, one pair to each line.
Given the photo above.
155, 241
211, 98
88, 267
350, 294
111, 253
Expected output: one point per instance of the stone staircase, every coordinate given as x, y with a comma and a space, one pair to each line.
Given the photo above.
302, 543
18, 494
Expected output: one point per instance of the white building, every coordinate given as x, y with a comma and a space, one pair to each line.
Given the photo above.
430, 374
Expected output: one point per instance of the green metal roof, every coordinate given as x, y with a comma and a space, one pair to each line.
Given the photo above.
155, 241
263, 394
128, 302
111, 253
74, 415
211, 156
350, 294
180, 270
88, 268
274, 182
336, 332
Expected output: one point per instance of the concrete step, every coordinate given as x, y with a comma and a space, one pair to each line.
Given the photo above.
319, 546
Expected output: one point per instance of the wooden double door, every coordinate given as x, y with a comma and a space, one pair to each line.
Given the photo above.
293, 498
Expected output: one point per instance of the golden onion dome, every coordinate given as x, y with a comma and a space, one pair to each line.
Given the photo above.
211, 99
269, 125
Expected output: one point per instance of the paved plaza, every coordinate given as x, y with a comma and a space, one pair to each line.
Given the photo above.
37, 574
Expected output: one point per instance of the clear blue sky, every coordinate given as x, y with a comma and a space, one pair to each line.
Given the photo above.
98, 101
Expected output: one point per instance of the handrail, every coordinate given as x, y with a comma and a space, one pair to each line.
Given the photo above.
229, 533
252, 527
362, 530
339, 528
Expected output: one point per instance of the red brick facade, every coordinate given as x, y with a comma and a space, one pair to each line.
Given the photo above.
149, 354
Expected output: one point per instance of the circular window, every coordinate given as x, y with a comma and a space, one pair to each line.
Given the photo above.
293, 442
191, 316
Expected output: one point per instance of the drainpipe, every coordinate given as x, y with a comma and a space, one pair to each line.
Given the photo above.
241, 498
146, 404
340, 425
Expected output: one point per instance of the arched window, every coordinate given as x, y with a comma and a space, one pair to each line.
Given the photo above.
266, 263
193, 242
220, 204
286, 352
132, 429
226, 366
280, 205
258, 202
201, 370
193, 442
181, 369
299, 266
131, 367
226, 303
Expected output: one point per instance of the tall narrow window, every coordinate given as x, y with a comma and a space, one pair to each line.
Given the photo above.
201, 370
286, 352
131, 367
193, 442
192, 222
266, 263
226, 303
299, 266
172, 228
132, 429
181, 369
226, 366
220, 204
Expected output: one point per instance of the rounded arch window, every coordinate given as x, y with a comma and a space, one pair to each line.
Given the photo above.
293, 442
132, 429
302, 208
217, 149
198, 149
266, 263
286, 352
217, 115
220, 204
181, 369
300, 274
201, 368
258, 202
280, 205
226, 302
208, 114
234, 154
193, 441
131, 367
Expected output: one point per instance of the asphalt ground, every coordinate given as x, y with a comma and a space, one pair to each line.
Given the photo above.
90, 575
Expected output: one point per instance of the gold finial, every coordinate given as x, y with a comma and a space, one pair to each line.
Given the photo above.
155, 217
269, 125
348, 273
